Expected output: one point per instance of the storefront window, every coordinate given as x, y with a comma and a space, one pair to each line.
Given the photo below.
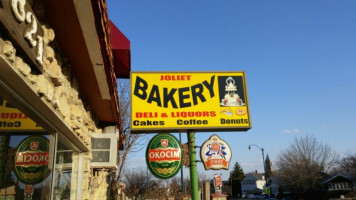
35, 164
25, 166
26, 156
66, 173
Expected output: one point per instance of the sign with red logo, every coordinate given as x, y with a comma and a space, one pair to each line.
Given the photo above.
31, 160
217, 183
34, 145
164, 142
215, 153
28, 191
164, 156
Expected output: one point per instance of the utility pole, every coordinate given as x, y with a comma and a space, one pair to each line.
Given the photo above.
263, 157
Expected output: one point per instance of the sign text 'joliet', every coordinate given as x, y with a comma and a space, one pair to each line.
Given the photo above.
181, 101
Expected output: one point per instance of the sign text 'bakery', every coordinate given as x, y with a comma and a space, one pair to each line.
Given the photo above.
180, 101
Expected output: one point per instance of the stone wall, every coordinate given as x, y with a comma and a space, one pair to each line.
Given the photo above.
59, 89
56, 86
100, 184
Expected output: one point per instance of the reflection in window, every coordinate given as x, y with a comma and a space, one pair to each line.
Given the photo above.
25, 184
65, 173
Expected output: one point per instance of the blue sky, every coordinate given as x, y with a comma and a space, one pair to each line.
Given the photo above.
299, 58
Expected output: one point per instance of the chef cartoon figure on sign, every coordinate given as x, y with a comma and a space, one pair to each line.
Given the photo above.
231, 97
215, 153
216, 149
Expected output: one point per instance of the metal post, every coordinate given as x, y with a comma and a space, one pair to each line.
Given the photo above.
263, 157
181, 169
193, 166
264, 164
231, 181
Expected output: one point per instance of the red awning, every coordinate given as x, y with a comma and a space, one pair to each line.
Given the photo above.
121, 50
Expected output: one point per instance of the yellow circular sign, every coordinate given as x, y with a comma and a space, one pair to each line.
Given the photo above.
267, 190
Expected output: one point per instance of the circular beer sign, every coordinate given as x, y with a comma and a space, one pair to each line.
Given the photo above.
215, 153
31, 160
164, 156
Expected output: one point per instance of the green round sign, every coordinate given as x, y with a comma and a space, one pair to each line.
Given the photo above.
268, 190
164, 156
31, 160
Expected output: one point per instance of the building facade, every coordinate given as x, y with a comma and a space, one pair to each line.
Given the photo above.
253, 184
338, 186
59, 61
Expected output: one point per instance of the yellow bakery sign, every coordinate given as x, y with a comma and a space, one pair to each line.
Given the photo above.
11, 119
181, 101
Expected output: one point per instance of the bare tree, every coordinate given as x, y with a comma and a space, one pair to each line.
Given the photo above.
303, 163
158, 189
174, 186
348, 164
186, 181
131, 142
137, 182
202, 179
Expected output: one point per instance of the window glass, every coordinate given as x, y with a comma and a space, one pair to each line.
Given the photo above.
12, 120
34, 173
25, 166
26, 155
65, 173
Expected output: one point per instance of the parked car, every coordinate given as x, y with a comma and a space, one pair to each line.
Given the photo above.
260, 196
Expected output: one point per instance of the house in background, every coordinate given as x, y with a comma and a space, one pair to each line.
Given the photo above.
253, 184
329, 187
273, 186
338, 186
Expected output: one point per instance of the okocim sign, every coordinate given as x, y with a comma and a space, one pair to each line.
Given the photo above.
182, 101
164, 156
31, 160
